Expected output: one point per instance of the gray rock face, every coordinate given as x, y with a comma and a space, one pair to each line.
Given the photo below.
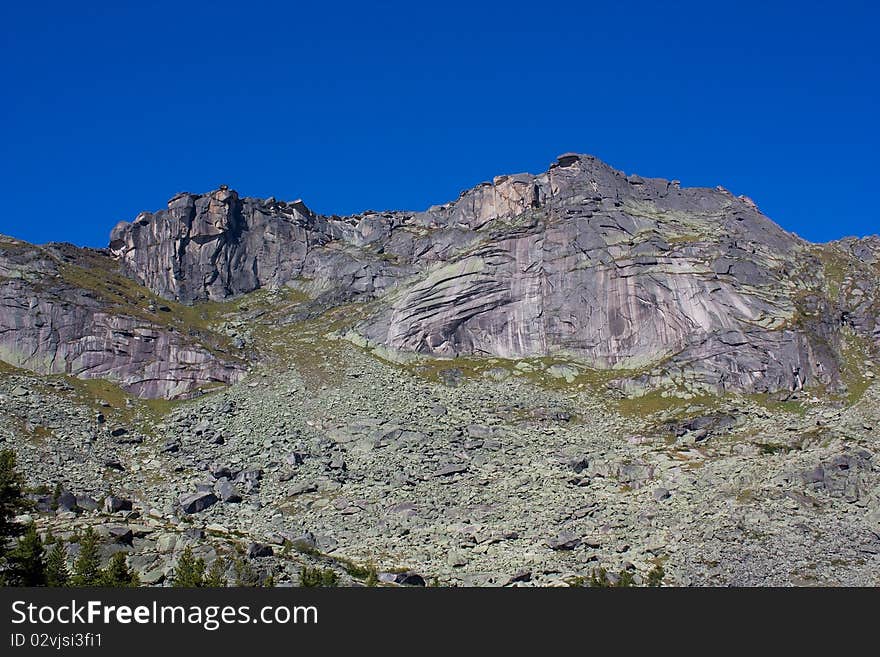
616, 272
857, 264
685, 288
59, 314
213, 246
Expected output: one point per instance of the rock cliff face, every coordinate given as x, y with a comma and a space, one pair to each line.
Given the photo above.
669, 287
217, 245
64, 311
616, 272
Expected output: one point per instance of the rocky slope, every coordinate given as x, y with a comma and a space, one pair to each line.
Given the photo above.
486, 476
552, 374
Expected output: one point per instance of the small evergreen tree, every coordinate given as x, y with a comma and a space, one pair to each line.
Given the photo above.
12, 502
216, 576
245, 575
190, 572
87, 567
57, 573
118, 574
26, 565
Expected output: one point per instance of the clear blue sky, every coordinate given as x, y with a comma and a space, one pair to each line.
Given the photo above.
109, 111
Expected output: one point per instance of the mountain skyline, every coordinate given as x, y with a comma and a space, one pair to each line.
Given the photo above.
96, 241
401, 107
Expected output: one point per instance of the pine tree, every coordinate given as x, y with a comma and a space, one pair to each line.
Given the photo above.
26, 566
87, 567
190, 572
57, 573
12, 502
245, 575
118, 574
216, 577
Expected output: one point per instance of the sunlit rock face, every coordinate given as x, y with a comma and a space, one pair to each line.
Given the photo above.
615, 271
54, 321
665, 285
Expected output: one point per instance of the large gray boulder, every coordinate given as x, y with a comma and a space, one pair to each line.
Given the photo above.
196, 502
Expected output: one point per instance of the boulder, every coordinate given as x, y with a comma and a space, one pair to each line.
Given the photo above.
259, 551
227, 492
197, 502
564, 541
114, 504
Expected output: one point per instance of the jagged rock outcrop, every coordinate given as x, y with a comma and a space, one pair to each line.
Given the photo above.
855, 267
217, 245
53, 320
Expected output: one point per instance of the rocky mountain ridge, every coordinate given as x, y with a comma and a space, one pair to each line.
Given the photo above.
552, 376
688, 290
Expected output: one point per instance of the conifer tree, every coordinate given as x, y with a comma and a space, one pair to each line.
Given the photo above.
190, 572
87, 567
118, 574
26, 560
245, 575
57, 572
12, 503
216, 577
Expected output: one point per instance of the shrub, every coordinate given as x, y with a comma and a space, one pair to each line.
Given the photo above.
656, 575
314, 577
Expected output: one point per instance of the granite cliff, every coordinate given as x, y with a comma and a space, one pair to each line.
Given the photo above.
683, 288
571, 377
65, 310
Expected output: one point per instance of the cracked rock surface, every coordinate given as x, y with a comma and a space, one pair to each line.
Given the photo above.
553, 374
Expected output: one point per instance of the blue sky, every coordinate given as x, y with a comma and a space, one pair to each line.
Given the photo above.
110, 111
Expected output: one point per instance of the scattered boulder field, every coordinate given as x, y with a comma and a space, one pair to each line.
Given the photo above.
554, 375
